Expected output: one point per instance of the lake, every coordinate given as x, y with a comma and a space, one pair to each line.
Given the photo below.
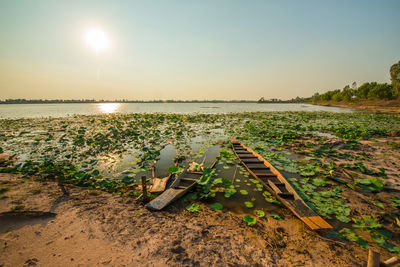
62, 110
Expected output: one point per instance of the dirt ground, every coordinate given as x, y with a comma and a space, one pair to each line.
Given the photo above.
94, 228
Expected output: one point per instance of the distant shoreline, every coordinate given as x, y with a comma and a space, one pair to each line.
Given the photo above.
148, 102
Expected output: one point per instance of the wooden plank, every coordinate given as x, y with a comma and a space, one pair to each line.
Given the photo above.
165, 198
265, 174
248, 157
257, 166
320, 222
309, 223
255, 160
274, 187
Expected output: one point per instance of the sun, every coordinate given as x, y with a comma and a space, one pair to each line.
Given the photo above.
97, 39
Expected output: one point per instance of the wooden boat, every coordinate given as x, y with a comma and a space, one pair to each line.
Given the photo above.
183, 183
160, 184
276, 183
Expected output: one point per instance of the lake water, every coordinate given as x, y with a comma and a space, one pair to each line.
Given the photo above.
62, 110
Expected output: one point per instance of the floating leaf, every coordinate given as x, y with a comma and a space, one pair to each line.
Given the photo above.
319, 182
248, 204
216, 206
244, 192
350, 235
366, 223
271, 200
174, 169
276, 217
372, 184
249, 220
194, 207
266, 194
259, 213
206, 177
229, 192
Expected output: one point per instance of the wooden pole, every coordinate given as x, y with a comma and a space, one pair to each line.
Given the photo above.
373, 258
144, 190
234, 174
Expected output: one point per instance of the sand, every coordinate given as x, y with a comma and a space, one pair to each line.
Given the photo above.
94, 228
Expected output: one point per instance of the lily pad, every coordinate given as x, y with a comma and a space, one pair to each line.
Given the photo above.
229, 192
248, 204
194, 207
244, 192
277, 217
249, 220
216, 206
259, 213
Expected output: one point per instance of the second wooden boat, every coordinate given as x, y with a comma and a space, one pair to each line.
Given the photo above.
183, 183
276, 183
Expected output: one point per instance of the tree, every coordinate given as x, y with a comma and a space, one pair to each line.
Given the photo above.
381, 91
395, 77
347, 93
315, 97
363, 90
354, 86
337, 97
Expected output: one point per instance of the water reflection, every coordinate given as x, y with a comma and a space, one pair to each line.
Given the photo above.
108, 107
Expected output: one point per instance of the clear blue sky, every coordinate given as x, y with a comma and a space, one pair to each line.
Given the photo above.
195, 49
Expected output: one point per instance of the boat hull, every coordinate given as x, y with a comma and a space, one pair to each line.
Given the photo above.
277, 184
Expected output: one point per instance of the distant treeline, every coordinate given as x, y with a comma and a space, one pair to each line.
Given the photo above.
293, 100
367, 91
61, 101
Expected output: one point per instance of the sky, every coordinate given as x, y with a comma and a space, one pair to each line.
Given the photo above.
170, 49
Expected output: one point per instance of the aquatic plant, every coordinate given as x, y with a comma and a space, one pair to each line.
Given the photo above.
259, 213
372, 184
216, 206
194, 208
249, 220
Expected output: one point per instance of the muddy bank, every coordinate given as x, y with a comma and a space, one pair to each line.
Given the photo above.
92, 228
385, 106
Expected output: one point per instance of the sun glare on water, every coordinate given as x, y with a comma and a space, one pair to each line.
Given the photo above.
97, 39
108, 107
